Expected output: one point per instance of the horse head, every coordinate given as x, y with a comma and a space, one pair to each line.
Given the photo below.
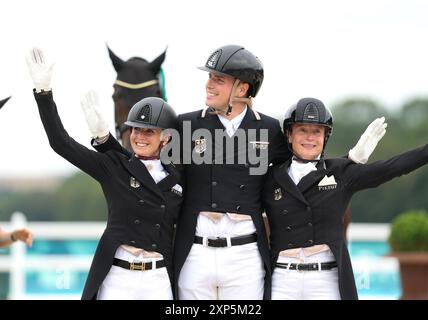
2, 102
136, 79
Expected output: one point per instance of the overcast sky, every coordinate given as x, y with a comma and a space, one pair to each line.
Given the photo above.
325, 49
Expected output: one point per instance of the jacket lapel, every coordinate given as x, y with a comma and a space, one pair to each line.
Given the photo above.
211, 122
312, 177
139, 171
282, 177
171, 179
248, 120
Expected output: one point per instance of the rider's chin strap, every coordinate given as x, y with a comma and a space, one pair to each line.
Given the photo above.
156, 157
296, 157
301, 160
316, 162
248, 101
228, 109
162, 144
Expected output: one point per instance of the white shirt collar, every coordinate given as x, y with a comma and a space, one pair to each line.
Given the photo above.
153, 165
156, 169
298, 170
233, 124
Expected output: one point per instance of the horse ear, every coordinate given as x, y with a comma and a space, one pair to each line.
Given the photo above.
117, 62
2, 102
155, 65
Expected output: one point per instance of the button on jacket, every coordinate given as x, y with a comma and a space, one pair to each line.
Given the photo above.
225, 187
222, 187
141, 213
311, 213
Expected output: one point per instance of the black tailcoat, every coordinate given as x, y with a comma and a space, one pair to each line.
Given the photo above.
226, 187
218, 185
309, 213
141, 213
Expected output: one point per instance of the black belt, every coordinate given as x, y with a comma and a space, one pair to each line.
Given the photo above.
140, 266
308, 266
222, 242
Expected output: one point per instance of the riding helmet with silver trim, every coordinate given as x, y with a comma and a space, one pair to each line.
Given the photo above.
152, 112
237, 62
309, 111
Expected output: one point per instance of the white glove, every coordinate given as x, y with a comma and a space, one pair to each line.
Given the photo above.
96, 123
368, 141
40, 70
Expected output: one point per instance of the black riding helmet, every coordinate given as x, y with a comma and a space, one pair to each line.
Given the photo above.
153, 113
309, 111
237, 62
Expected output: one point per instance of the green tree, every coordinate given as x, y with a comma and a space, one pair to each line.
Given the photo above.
80, 198
414, 113
382, 204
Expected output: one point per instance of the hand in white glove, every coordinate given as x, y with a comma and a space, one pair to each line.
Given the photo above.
368, 141
40, 70
96, 123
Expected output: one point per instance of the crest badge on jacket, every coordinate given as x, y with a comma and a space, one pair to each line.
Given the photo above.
277, 194
200, 145
134, 183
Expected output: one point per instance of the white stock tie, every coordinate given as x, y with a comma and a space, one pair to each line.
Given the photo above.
156, 170
298, 170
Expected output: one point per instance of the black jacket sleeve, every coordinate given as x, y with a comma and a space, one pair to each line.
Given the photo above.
110, 144
89, 161
278, 148
364, 176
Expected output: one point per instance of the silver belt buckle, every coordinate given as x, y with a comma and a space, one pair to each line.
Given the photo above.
205, 241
